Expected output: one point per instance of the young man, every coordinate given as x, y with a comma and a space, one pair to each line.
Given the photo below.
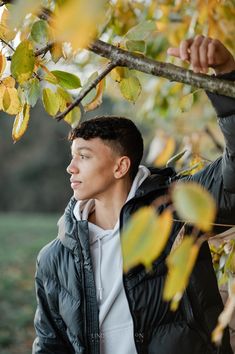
85, 303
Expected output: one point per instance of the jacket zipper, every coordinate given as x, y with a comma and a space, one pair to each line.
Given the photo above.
83, 291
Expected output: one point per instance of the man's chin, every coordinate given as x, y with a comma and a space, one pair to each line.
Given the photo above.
79, 196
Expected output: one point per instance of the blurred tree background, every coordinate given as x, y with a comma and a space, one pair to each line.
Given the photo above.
34, 184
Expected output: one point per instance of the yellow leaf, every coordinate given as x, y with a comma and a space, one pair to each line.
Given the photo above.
3, 63
64, 99
180, 265
23, 61
2, 91
9, 99
96, 102
194, 204
77, 22
5, 32
130, 88
9, 82
21, 123
118, 73
6, 100
225, 316
167, 151
25, 31
161, 231
73, 117
56, 52
145, 237
50, 101
20, 9
15, 105
49, 76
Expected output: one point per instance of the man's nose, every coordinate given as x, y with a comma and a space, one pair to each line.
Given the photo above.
71, 168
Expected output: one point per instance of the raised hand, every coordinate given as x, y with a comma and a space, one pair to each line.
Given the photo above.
204, 53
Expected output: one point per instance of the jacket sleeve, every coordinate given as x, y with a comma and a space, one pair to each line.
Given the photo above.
50, 339
219, 176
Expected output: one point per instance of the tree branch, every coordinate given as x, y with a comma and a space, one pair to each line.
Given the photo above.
166, 70
83, 93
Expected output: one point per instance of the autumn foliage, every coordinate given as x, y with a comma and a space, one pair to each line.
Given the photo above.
38, 35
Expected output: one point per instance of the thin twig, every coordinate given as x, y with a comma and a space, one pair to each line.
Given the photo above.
43, 50
212, 223
38, 52
3, 40
215, 141
83, 93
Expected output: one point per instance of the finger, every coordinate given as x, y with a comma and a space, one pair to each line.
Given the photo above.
185, 48
203, 54
194, 54
173, 51
211, 53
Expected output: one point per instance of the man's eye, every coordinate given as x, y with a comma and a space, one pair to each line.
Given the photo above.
83, 157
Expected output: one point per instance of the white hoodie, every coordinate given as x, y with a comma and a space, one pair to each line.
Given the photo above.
115, 321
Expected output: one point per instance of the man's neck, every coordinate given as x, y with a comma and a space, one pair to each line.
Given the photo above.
107, 208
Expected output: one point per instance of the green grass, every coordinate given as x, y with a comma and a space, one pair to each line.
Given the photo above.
21, 237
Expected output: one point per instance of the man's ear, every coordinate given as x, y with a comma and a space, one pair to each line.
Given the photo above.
122, 167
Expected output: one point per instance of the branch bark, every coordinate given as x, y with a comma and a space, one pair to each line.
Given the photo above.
166, 70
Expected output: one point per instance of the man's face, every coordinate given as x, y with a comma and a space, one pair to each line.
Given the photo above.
92, 168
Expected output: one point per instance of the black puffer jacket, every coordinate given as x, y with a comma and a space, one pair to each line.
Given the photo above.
67, 320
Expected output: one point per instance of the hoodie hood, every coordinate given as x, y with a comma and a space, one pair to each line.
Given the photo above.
146, 180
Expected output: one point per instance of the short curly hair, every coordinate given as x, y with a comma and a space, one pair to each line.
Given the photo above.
119, 133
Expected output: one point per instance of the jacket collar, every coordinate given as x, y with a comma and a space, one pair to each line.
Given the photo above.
159, 179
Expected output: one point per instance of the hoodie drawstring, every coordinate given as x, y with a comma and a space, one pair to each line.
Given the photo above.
100, 288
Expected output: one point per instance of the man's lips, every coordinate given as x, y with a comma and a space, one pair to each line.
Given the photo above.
74, 184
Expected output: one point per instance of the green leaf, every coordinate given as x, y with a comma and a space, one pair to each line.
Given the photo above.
50, 101
39, 32
136, 46
22, 63
194, 204
67, 80
130, 88
91, 95
141, 31
32, 91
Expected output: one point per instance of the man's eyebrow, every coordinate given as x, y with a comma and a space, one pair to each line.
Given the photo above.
80, 148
